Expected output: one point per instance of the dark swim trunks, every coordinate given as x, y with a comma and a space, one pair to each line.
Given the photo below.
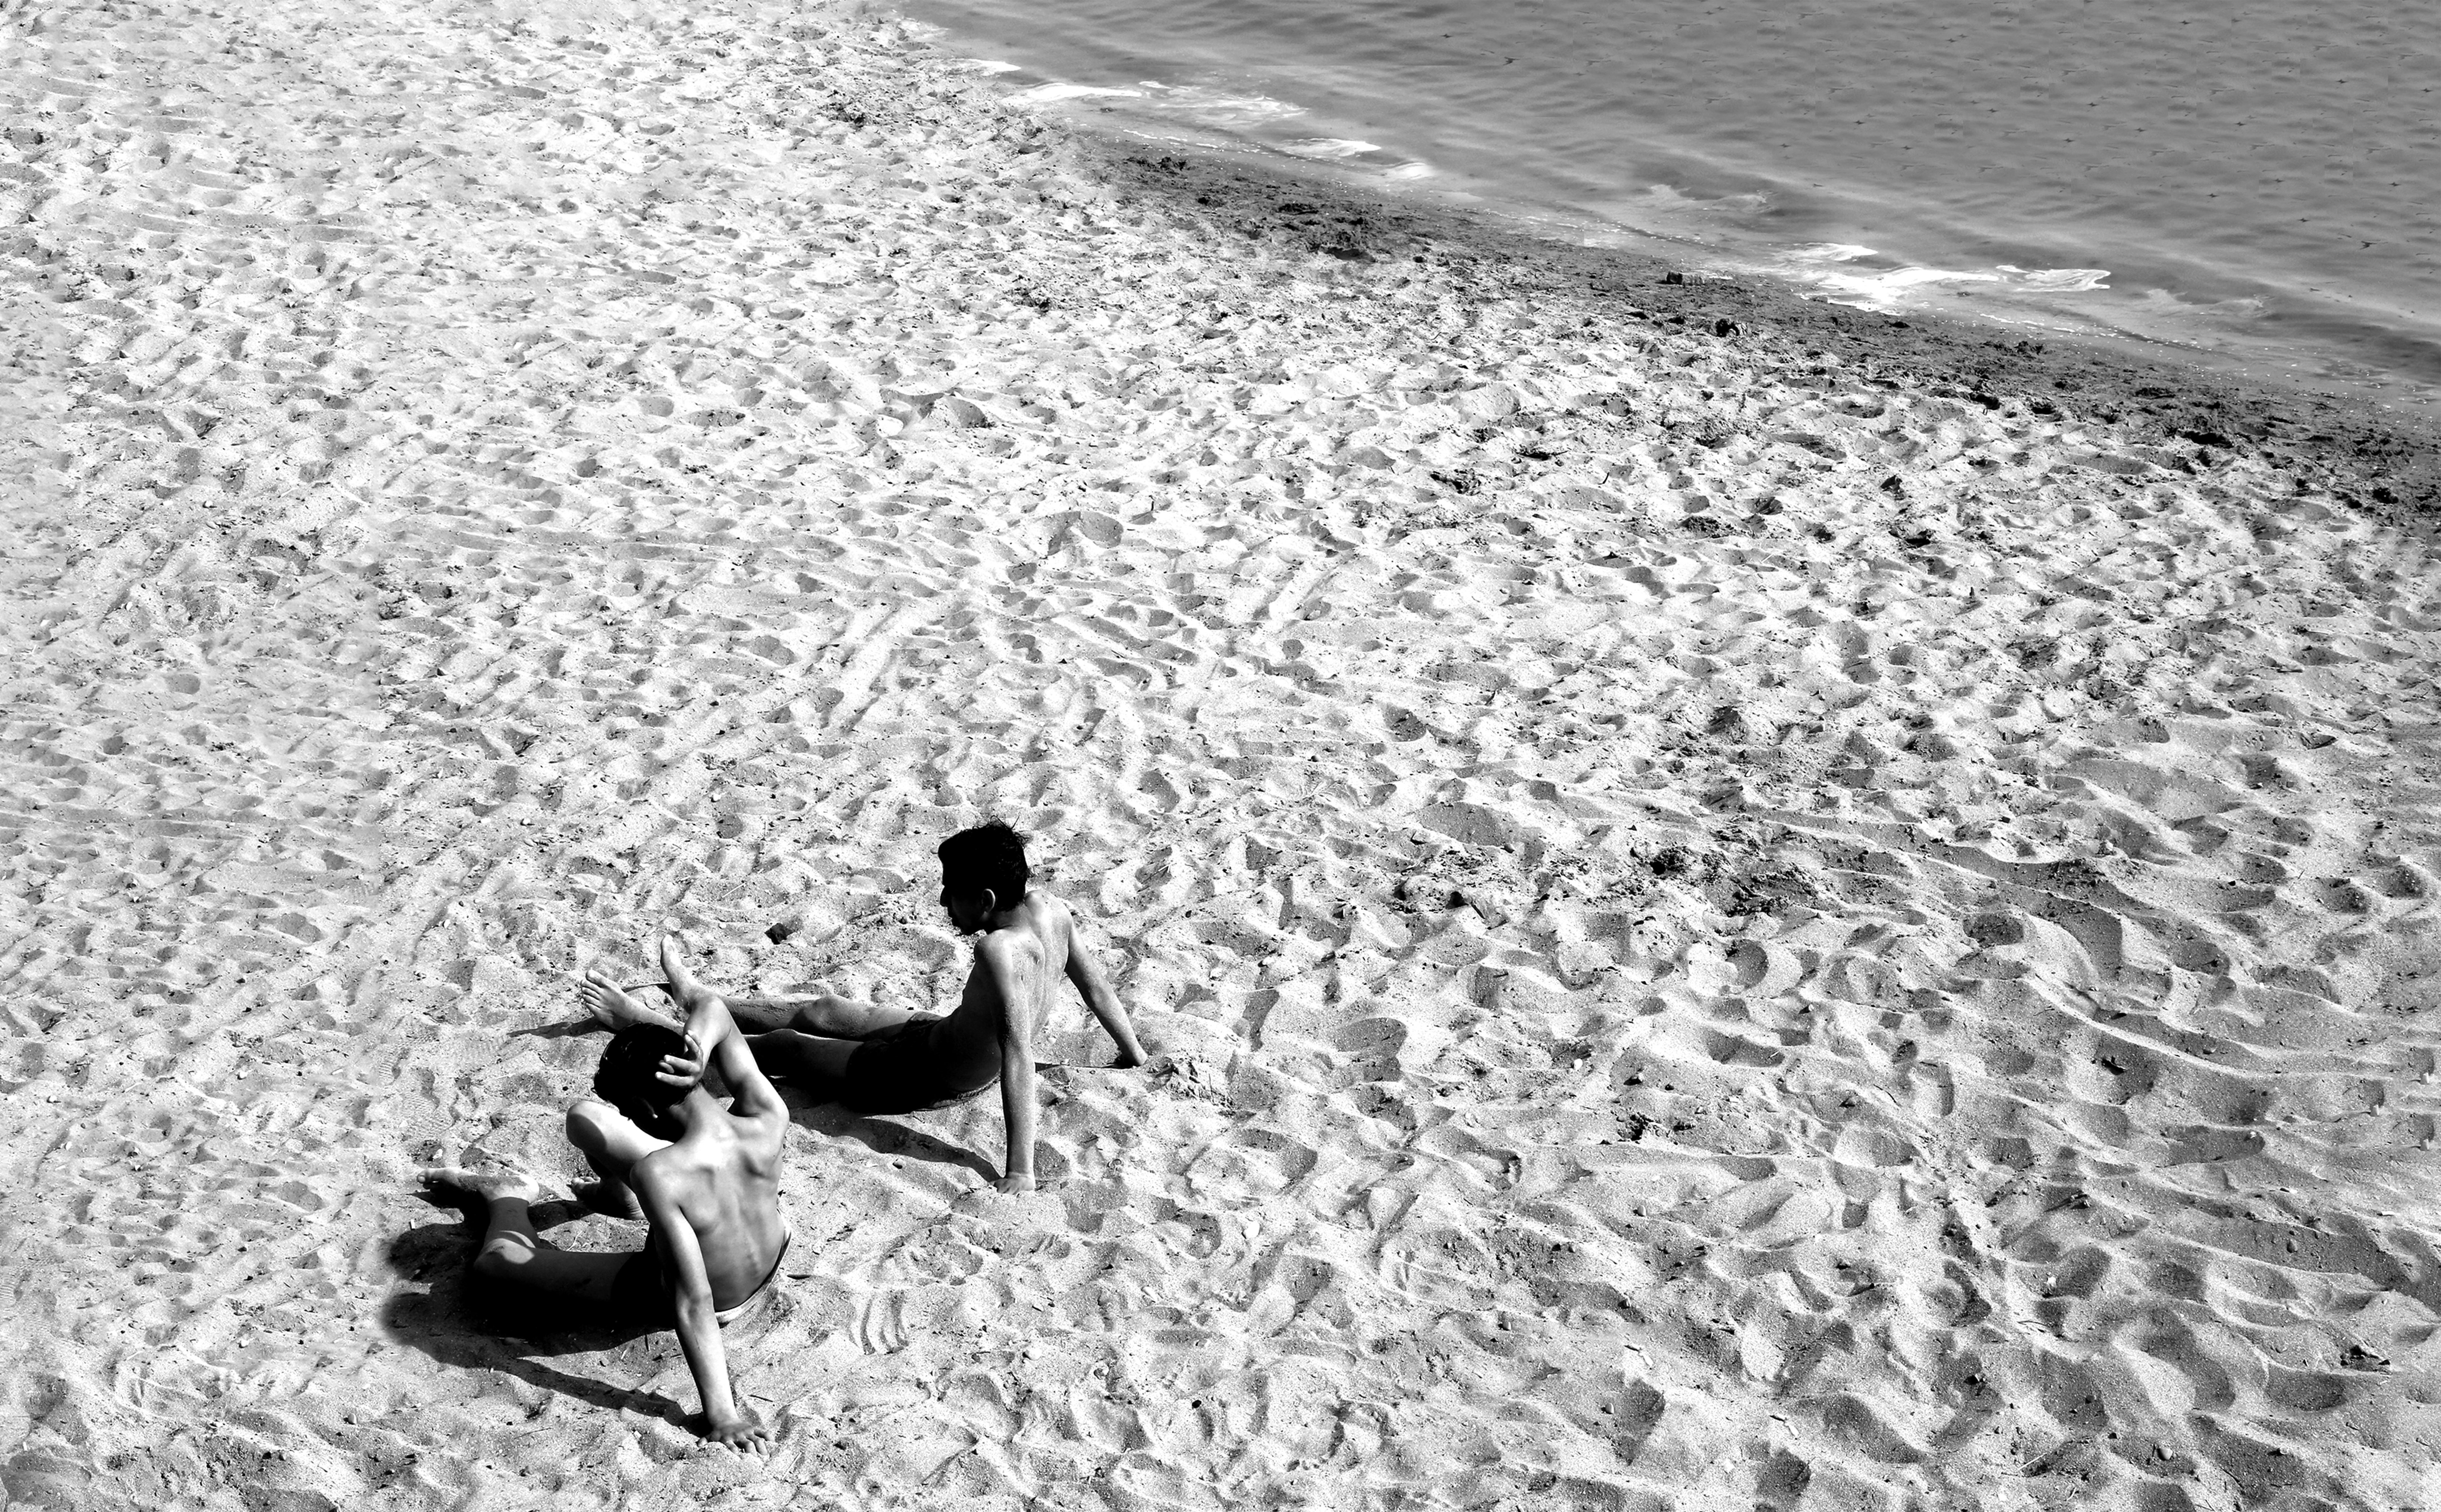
895, 1071
639, 1290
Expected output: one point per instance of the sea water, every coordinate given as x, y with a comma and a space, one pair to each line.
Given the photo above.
2258, 179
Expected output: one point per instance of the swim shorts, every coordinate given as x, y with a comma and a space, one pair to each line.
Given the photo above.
639, 1290
895, 1071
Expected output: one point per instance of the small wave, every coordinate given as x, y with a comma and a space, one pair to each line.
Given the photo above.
1222, 110
2057, 281
1668, 199
984, 66
1889, 288
2163, 302
1245, 116
1330, 147
1052, 94
1220, 107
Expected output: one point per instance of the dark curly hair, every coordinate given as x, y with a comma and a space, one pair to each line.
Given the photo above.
628, 1078
989, 855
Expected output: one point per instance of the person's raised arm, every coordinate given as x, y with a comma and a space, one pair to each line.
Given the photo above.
713, 1041
751, 1095
1085, 974
699, 1325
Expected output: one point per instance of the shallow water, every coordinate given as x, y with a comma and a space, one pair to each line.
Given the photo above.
2259, 179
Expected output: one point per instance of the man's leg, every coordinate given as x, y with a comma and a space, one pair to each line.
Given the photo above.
826, 1014
614, 1008
817, 1059
512, 1252
612, 1143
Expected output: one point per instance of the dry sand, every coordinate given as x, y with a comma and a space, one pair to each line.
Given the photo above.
1727, 930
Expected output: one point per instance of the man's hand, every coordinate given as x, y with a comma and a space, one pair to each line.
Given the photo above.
683, 1071
1021, 1181
742, 1432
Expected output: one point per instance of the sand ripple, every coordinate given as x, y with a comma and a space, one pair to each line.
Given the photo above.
1723, 933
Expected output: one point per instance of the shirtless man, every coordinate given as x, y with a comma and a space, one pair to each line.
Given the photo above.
707, 1179
889, 1059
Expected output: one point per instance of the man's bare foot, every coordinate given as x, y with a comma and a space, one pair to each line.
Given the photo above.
682, 984
491, 1185
611, 1199
613, 1007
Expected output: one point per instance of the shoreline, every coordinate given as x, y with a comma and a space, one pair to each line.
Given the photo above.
1738, 904
2367, 359
2384, 459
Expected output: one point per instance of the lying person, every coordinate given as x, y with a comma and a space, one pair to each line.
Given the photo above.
706, 1179
882, 1060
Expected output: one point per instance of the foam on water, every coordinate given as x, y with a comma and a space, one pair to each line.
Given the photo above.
1060, 90
1826, 266
1830, 252
2059, 281
1330, 147
2256, 177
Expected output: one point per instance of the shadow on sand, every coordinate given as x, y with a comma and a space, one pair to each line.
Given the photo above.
563, 1029
883, 1135
441, 1309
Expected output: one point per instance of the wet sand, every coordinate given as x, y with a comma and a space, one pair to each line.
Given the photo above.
1741, 906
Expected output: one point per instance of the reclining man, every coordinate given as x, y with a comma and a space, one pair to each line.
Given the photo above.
706, 1179
889, 1060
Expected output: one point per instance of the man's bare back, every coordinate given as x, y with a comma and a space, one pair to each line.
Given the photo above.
1019, 960
1022, 953
706, 1178
721, 1183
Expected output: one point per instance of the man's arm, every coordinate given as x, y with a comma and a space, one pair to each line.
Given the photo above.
699, 1328
1016, 1066
1085, 973
713, 1035
1017, 1110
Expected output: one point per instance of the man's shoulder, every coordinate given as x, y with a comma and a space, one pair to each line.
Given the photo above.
1004, 949
658, 1175
676, 1172
1047, 918
757, 1130
686, 1161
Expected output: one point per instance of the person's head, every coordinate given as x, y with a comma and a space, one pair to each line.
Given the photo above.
982, 870
628, 1078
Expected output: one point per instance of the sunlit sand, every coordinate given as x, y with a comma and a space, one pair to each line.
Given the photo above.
1718, 927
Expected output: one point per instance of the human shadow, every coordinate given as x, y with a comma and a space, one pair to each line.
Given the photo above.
462, 1322
655, 995
881, 1135
565, 1029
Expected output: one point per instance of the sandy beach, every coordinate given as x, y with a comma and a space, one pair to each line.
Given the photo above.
1740, 906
